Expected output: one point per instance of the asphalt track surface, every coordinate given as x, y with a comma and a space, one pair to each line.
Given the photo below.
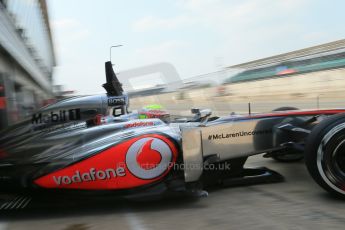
298, 203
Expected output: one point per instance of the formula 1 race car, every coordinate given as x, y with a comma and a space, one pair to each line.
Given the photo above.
93, 144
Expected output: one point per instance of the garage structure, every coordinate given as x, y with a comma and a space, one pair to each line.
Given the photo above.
26, 58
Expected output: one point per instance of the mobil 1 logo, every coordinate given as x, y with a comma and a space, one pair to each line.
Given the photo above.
56, 117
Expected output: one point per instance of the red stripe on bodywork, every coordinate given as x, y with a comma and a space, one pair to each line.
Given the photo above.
112, 158
2, 102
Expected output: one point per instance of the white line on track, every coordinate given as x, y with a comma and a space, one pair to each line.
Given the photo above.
134, 222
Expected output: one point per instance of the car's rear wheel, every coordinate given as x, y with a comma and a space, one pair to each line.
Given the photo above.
325, 154
289, 155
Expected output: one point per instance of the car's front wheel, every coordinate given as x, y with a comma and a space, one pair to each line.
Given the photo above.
325, 154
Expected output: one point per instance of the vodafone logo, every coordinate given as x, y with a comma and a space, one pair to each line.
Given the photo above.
148, 158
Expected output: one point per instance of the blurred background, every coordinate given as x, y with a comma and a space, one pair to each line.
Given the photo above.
180, 54
217, 54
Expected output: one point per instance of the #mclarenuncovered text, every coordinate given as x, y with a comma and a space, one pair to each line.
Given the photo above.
238, 134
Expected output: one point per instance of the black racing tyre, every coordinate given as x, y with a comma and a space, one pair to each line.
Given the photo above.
284, 108
290, 156
325, 154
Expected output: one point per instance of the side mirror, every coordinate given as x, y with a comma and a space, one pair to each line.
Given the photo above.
201, 115
195, 111
205, 113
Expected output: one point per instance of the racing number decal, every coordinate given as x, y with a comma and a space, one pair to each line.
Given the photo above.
133, 163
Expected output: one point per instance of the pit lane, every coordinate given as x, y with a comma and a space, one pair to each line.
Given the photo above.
298, 203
